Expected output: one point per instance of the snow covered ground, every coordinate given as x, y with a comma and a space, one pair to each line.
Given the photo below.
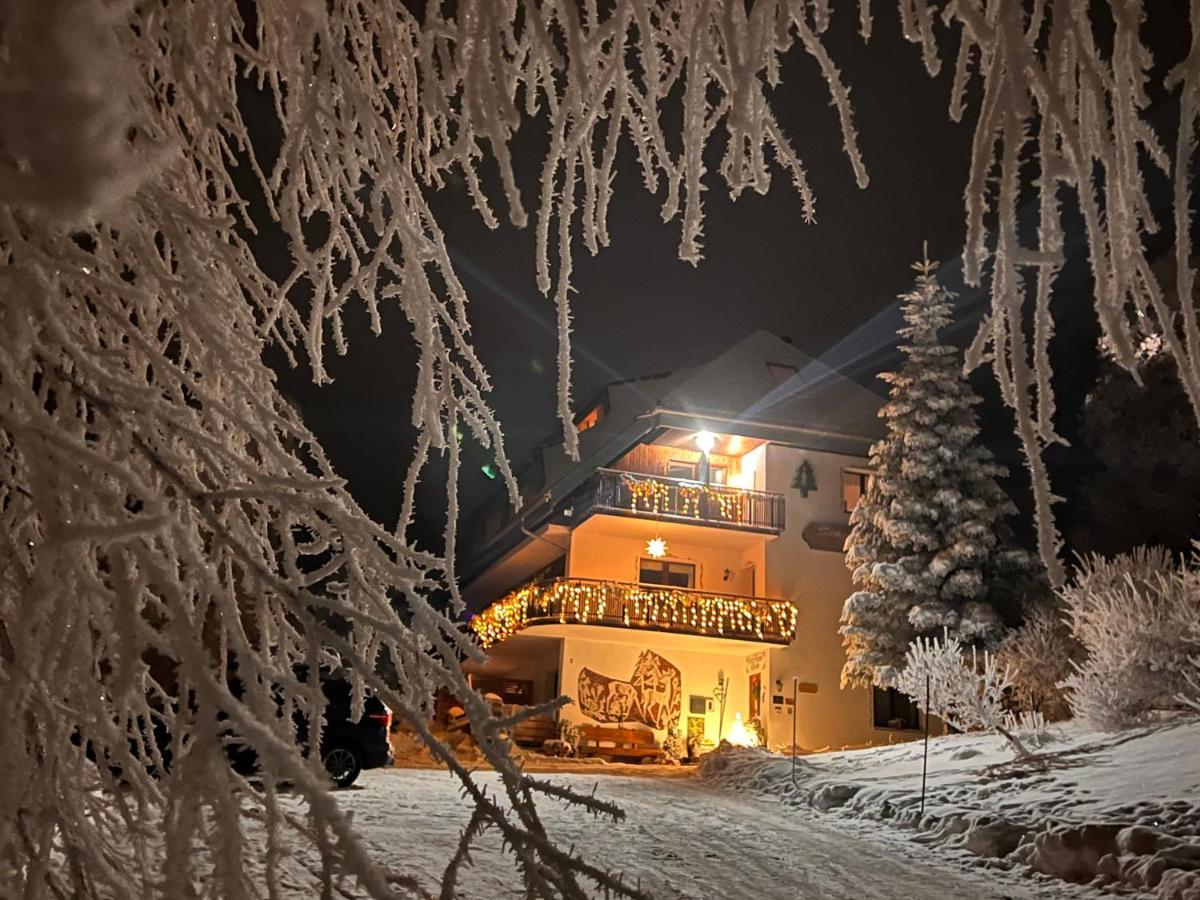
682, 838
1115, 810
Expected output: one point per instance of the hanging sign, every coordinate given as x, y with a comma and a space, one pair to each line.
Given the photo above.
830, 536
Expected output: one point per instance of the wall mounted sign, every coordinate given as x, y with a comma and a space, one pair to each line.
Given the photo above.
829, 536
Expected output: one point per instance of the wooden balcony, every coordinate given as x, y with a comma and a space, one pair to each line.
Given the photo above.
672, 499
586, 601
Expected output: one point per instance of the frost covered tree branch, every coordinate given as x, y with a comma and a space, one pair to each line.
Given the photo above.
1064, 113
169, 524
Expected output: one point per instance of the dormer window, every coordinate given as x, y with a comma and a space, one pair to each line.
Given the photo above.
591, 418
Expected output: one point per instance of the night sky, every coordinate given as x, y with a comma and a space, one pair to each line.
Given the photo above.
829, 287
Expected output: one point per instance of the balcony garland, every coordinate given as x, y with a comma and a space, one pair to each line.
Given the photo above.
577, 601
653, 496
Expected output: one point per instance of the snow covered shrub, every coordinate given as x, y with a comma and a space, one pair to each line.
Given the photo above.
1137, 617
967, 693
1030, 727
1039, 655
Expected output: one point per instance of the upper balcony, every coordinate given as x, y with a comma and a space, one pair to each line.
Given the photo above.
589, 601
625, 493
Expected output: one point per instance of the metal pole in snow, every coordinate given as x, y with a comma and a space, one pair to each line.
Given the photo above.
795, 708
925, 756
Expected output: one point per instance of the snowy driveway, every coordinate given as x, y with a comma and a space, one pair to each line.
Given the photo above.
681, 838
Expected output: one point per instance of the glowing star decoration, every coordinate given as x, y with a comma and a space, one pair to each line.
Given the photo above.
740, 735
656, 547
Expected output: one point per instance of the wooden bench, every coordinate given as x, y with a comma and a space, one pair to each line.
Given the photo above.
627, 743
534, 732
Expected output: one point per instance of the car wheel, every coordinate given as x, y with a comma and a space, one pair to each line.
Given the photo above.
342, 764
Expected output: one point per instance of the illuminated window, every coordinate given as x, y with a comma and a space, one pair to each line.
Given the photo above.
855, 483
592, 419
718, 474
664, 572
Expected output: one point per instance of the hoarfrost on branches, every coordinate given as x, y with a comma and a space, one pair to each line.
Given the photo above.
1039, 654
968, 694
165, 513
1065, 111
1137, 617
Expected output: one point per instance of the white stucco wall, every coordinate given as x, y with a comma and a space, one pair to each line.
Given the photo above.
818, 583
698, 659
610, 547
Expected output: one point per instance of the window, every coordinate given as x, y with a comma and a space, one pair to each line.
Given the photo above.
781, 372
854, 485
718, 474
671, 574
893, 709
593, 418
681, 468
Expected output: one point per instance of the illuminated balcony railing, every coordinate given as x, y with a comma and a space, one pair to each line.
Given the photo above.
655, 497
586, 601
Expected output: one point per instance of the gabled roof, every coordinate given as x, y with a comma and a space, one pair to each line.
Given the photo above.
761, 387
763, 380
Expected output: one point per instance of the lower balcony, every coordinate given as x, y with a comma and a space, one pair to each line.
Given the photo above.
586, 601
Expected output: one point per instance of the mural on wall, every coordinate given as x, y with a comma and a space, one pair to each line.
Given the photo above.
652, 695
659, 686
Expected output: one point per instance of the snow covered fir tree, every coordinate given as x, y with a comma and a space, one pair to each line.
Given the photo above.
929, 548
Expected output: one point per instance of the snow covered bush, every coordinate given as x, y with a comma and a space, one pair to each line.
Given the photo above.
929, 548
1039, 655
1029, 727
968, 693
1137, 617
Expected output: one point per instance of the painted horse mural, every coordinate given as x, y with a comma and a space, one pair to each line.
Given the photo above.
652, 696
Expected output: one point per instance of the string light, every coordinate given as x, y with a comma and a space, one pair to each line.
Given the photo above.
583, 601
653, 496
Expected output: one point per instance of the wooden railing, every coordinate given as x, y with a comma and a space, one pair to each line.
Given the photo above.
587, 601
656, 497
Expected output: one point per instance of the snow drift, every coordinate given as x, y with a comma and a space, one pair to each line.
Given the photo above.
1086, 807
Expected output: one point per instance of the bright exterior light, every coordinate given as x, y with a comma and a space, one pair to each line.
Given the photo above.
656, 547
705, 440
740, 735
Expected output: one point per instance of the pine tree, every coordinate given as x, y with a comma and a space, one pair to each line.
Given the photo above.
1144, 486
929, 547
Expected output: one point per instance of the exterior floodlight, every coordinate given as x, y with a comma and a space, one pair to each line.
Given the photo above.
705, 441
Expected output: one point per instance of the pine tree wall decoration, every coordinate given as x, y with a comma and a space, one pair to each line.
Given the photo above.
804, 480
929, 547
